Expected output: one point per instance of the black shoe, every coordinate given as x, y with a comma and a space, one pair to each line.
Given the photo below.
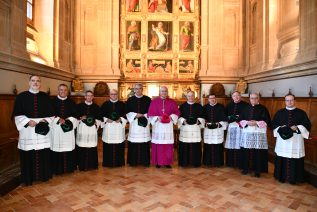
168, 166
158, 166
244, 172
257, 175
281, 181
292, 182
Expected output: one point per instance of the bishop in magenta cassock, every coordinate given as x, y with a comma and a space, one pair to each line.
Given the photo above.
163, 113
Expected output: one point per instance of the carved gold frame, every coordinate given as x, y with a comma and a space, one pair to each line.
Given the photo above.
144, 54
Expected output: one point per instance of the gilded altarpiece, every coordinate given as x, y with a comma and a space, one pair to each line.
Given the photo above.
160, 45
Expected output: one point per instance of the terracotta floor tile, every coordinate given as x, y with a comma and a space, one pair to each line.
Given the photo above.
151, 189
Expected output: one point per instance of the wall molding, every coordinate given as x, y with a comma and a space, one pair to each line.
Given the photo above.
99, 77
218, 79
286, 72
21, 65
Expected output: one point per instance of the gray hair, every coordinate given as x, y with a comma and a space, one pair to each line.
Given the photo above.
138, 84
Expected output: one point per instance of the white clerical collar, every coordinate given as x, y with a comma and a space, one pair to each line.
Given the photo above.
190, 103
213, 104
255, 104
33, 91
290, 108
113, 101
138, 96
88, 103
61, 98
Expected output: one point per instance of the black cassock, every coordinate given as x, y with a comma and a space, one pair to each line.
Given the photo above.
138, 152
189, 153
253, 159
113, 154
87, 157
290, 169
35, 164
213, 153
64, 162
233, 154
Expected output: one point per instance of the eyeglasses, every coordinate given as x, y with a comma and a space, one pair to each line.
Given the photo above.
113, 94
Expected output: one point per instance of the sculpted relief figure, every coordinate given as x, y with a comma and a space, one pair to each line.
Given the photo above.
77, 85
241, 86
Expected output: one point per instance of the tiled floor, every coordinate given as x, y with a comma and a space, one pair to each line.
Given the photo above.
147, 189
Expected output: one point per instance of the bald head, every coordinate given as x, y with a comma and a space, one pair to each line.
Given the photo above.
254, 99
190, 96
138, 89
163, 92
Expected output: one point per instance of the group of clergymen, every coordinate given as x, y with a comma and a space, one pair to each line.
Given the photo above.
56, 136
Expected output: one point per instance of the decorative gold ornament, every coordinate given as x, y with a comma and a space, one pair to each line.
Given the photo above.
77, 85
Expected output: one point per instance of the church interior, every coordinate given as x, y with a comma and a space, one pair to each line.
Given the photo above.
267, 47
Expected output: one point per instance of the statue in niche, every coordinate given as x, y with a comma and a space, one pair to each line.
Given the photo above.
130, 92
133, 5
159, 37
241, 86
77, 85
101, 89
185, 91
217, 89
186, 34
133, 34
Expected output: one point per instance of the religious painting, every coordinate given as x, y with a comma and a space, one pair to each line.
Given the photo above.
186, 6
186, 66
159, 66
159, 44
186, 36
133, 5
133, 67
160, 35
133, 35
160, 6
